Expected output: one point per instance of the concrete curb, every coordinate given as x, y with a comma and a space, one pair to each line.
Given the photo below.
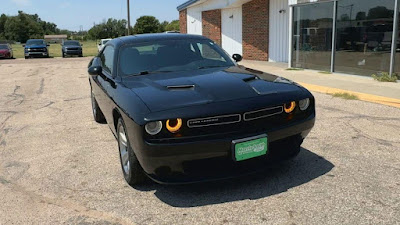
362, 96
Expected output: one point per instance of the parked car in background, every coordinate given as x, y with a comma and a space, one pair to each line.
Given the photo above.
172, 32
6, 51
71, 48
102, 43
184, 111
36, 48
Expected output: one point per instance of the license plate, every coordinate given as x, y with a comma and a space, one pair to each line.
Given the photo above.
250, 147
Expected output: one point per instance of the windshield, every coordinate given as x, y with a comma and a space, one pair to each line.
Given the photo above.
72, 43
35, 42
172, 56
2, 47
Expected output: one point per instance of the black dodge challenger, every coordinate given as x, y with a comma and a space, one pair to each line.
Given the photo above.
183, 111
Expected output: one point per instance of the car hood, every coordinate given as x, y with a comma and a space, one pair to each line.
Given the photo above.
166, 91
35, 46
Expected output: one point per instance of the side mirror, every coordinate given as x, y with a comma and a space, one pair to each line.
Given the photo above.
23, 46
95, 70
237, 57
48, 45
81, 44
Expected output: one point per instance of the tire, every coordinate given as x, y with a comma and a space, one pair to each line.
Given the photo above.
97, 113
26, 57
63, 55
131, 169
80, 55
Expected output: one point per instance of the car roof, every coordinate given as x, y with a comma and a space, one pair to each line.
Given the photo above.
154, 37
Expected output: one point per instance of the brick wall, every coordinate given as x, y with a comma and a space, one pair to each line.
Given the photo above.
255, 30
183, 21
211, 21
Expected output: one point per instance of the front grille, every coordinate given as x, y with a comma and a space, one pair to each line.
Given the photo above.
262, 113
73, 49
216, 120
37, 50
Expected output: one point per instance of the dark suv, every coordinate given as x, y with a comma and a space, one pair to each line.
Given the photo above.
36, 48
71, 48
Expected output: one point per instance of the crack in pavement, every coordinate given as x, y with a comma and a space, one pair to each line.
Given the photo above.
41, 88
20, 98
73, 206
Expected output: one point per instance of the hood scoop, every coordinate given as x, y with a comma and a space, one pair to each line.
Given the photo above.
181, 87
248, 79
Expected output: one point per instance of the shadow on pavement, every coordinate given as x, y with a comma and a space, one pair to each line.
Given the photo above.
306, 167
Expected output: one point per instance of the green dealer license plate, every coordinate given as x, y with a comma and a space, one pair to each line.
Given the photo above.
250, 147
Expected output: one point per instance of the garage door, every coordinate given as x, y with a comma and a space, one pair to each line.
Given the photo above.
194, 23
278, 31
232, 30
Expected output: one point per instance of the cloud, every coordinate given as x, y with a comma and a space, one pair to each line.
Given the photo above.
22, 2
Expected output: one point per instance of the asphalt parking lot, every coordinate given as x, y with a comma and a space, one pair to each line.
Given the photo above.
57, 166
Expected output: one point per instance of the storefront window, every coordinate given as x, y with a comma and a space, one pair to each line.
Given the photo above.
312, 40
364, 36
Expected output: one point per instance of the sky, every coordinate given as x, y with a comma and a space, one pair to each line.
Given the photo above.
71, 14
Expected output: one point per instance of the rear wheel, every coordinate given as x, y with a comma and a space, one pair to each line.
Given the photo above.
133, 172
97, 113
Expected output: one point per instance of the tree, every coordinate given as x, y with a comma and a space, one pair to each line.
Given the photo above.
163, 26
22, 27
111, 28
146, 24
173, 26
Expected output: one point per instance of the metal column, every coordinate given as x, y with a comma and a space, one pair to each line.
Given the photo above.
129, 18
290, 36
395, 37
334, 36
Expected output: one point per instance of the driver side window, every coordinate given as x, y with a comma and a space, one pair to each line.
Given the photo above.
107, 59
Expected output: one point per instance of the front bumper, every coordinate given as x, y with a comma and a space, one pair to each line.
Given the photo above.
32, 54
5, 55
207, 160
73, 52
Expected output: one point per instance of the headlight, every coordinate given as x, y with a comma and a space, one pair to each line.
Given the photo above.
174, 125
303, 104
289, 107
153, 128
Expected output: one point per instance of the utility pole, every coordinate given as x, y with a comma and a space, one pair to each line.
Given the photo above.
129, 19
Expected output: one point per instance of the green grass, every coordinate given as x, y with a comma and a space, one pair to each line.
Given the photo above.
89, 49
325, 72
346, 96
385, 77
295, 69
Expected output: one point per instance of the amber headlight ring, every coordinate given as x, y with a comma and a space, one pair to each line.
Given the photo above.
290, 107
174, 125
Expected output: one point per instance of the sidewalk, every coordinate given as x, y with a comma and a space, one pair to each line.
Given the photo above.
365, 88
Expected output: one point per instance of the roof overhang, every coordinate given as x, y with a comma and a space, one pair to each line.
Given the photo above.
214, 4
187, 4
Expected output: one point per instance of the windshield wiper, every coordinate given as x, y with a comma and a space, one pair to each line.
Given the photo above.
149, 72
206, 67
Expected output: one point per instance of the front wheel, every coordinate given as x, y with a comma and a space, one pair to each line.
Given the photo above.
133, 172
63, 55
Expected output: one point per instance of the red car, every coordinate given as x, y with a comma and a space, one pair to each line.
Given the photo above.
6, 51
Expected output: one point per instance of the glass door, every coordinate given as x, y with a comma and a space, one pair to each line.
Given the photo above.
364, 36
312, 36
